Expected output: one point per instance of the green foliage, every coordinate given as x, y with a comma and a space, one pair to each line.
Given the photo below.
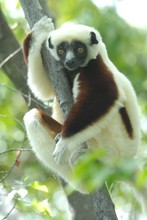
141, 179
123, 177
11, 112
39, 199
13, 14
79, 10
93, 170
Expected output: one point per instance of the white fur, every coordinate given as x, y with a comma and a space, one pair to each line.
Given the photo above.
108, 132
75, 88
38, 80
69, 55
70, 32
43, 146
57, 113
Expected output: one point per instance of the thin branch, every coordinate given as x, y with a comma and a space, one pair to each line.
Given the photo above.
9, 57
12, 167
11, 117
9, 87
13, 207
16, 149
15, 163
27, 96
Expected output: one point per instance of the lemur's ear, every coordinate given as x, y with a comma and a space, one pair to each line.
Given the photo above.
50, 44
93, 38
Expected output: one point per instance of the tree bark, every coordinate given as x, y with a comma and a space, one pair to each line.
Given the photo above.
95, 206
15, 67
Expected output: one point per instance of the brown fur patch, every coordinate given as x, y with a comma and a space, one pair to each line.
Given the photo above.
26, 47
126, 121
98, 93
53, 126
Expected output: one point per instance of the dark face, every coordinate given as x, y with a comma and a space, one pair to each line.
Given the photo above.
72, 55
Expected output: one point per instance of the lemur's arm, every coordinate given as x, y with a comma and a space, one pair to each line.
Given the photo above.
38, 79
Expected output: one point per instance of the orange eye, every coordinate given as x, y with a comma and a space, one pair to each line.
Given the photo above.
61, 52
80, 50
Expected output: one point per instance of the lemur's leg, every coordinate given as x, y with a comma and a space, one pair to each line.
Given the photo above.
41, 131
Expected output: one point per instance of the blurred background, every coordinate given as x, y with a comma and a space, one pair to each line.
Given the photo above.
27, 190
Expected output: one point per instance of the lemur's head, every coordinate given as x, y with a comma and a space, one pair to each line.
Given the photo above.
74, 45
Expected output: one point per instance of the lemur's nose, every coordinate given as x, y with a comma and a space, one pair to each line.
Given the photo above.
70, 62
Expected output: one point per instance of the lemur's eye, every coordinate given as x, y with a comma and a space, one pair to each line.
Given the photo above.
61, 51
80, 50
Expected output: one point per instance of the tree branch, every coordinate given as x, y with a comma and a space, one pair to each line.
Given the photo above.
9, 46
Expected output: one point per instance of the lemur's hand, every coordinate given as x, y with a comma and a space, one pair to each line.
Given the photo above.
77, 153
42, 28
65, 152
61, 153
57, 138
